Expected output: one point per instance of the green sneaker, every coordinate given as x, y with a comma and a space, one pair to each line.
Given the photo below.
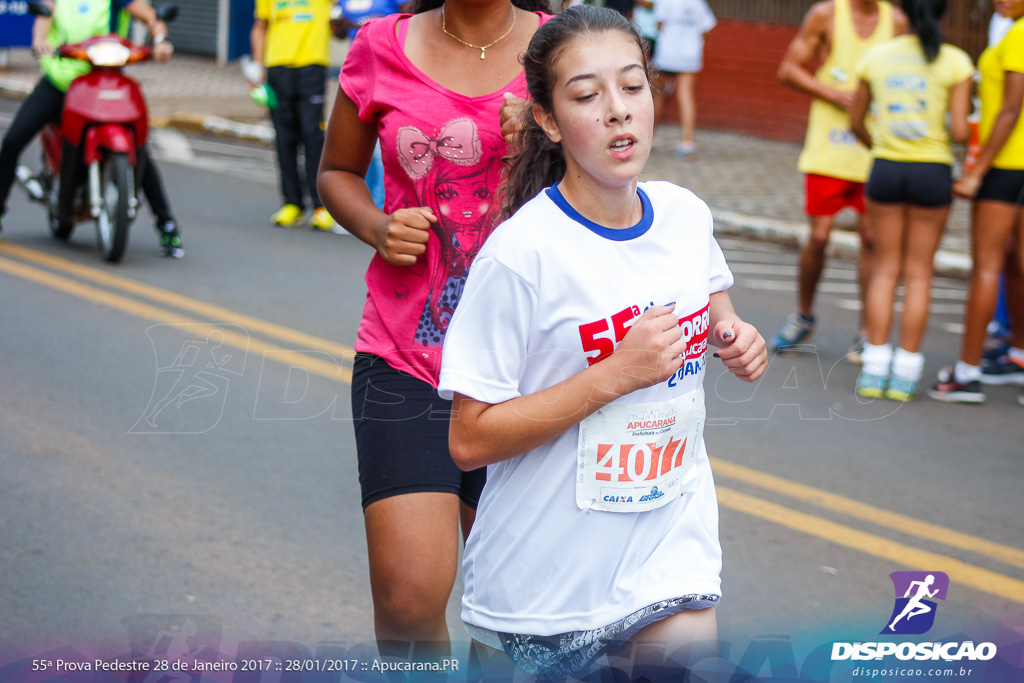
287, 216
798, 330
901, 389
170, 240
870, 385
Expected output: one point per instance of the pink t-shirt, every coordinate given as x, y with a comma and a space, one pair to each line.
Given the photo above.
442, 150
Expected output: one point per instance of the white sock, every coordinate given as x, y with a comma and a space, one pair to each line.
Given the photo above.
965, 373
877, 359
907, 365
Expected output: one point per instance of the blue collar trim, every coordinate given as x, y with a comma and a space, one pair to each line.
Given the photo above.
618, 235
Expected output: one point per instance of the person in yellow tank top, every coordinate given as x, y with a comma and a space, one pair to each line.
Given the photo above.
996, 184
914, 81
292, 39
820, 62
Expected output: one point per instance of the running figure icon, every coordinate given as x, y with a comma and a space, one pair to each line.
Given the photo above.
915, 606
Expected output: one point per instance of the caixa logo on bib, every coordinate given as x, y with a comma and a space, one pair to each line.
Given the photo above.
913, 613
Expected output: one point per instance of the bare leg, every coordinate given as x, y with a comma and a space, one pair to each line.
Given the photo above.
866, 231
1013, 281
413, 545
812, 262
992, 223
922, 240
688, 626
685, 86
878, 304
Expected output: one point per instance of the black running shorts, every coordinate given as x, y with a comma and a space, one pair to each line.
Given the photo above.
905, 182
401, 429
1002, 185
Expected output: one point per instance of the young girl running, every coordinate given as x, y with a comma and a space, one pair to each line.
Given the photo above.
915, 80
575, 362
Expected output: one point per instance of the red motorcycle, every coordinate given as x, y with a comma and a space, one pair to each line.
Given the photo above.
91, 160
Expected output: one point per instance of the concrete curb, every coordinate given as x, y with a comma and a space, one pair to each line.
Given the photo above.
14, 88
220, 127
842, 245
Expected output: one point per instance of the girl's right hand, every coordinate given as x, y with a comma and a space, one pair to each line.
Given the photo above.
967, 186
402, 237
652, 350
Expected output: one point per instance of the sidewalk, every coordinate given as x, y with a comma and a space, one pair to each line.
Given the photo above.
752, 185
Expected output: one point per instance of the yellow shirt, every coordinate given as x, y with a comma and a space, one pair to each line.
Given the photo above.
993, 64
298, 31
831, 148
911, 98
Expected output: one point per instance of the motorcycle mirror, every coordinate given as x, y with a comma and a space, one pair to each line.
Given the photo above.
39, 9
166, 12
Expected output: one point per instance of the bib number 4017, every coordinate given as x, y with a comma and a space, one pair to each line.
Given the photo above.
639, 461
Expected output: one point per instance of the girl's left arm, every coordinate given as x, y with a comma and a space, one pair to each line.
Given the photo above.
859, 113
1006, 121
740, 346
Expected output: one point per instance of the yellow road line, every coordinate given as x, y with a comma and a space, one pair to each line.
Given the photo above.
332, 371
870, 513
160, 295
905, 555
976, 577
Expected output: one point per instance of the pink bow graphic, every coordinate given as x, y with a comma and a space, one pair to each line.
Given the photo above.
457, 142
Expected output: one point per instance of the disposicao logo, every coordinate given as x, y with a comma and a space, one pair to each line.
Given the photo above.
916, 592
913, 614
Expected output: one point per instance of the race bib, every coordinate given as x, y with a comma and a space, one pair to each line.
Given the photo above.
641, 456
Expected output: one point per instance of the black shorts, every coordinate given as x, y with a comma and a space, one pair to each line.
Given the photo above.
402, 436
909, 182
1002, 185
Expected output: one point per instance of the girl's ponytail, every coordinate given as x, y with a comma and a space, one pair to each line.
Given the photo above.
536, 163
924, 16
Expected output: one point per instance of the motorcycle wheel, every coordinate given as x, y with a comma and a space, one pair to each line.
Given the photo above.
60, 231
113, 221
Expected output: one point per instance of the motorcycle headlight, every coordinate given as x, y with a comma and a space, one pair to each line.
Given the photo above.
108, 54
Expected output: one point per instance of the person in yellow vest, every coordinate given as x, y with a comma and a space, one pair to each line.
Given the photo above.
292, 39
834, 34
73, 21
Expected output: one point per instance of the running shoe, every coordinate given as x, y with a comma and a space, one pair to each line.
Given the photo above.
870, 385
321, 220
856, 349
685, 151
901, 389
170, 240
952, 391
994, 348
287, 216
797, 330
1002, 370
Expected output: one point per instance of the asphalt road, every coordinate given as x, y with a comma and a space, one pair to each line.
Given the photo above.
177, 453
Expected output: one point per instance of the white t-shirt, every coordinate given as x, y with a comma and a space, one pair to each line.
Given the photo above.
536, 563
680, 46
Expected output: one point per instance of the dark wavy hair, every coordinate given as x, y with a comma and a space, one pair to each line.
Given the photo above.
419, 6
536, 162
924, 16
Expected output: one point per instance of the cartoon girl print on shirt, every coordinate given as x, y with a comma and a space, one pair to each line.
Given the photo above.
457, 176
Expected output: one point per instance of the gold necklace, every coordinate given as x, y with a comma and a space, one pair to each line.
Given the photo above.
482, 48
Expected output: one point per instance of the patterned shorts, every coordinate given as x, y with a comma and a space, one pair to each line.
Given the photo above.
553, 658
